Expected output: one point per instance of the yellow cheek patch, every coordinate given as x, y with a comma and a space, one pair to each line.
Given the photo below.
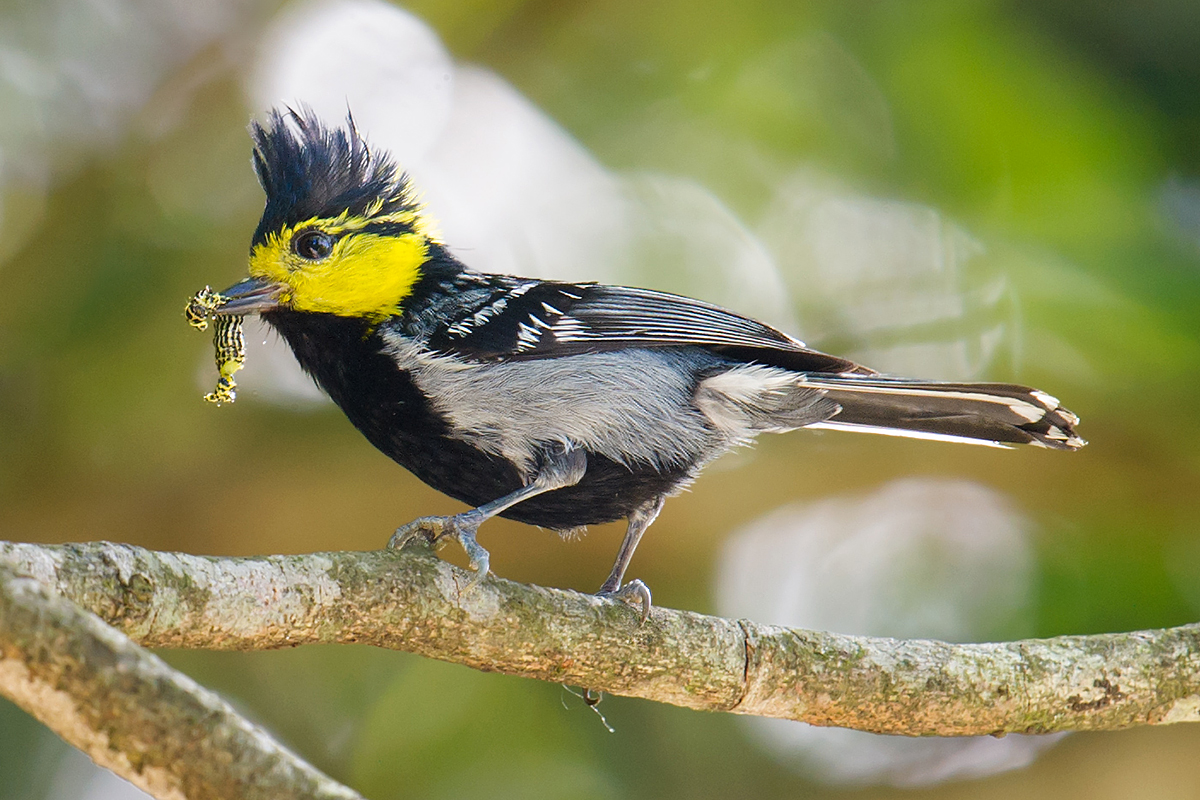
367, 274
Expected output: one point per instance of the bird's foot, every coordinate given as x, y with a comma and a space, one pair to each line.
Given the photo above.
635, 593
434, 530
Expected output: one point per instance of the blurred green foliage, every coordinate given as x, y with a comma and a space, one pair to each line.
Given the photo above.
1052, 131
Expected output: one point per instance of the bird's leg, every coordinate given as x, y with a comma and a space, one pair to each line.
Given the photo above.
559, 470
635, 591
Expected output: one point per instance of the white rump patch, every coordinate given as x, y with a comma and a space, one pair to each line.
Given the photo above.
753, 399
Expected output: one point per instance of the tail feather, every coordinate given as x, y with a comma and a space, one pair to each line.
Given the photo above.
997, 414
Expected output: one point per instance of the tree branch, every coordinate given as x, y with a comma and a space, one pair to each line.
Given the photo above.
131, 712
412, 602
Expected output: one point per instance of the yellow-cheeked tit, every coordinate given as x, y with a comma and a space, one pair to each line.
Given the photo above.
555, 404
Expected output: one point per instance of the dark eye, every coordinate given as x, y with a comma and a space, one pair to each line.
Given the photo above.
313, 245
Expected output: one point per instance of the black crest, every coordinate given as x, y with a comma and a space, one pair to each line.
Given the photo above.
309, 170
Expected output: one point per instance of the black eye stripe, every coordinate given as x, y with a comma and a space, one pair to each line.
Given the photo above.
313, 245
387, 228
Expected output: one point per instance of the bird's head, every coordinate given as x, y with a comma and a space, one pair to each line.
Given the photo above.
342, 232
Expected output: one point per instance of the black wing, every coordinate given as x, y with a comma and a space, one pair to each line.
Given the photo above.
506, 318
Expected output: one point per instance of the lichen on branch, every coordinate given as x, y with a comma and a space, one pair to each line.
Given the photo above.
412, 601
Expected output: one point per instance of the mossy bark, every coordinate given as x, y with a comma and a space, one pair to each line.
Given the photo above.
132, 713
413, 601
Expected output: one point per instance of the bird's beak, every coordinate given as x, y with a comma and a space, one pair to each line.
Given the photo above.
252, 296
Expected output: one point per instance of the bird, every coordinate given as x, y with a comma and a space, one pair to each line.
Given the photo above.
557, 404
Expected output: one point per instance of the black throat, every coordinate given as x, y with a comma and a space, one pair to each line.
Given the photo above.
345, 356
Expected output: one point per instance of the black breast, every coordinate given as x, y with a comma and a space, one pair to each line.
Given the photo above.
346, 359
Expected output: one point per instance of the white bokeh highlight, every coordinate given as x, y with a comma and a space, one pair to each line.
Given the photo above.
918, 558
74, 75
893, 283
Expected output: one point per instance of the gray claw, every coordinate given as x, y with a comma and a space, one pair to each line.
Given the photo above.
431, 529
634, 593
435, 529
480, 561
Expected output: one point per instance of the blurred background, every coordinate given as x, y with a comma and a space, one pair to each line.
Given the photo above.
965, 189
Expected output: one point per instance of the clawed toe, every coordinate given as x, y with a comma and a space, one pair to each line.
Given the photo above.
635, 593
480, 562
431, 529
435, 529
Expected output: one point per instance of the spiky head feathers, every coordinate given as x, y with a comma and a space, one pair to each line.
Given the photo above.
342, 231
310, 171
